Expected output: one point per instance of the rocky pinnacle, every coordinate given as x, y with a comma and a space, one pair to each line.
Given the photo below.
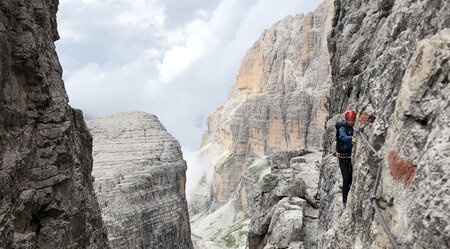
140, 178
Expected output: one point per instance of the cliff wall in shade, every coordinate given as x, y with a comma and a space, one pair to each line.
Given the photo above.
278, 103
391, 59
140, 182
46, 194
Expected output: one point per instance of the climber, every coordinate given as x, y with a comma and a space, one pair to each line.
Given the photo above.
344, 135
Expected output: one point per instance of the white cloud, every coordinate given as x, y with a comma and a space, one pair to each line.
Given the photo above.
175, 37
142, 14
73, 36
199, 39
200, 164
203, 14
107, 88
88, 1
174, 59
152, 53
201, 36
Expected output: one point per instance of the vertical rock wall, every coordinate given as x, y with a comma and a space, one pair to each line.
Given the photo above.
278, 102
391, 59
140, 179
46, 193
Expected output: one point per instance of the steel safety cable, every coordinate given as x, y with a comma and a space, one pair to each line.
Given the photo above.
373, 197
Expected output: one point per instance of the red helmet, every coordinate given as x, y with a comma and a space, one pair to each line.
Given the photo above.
350, 114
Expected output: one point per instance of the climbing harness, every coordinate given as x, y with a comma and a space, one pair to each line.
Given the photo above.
373, 197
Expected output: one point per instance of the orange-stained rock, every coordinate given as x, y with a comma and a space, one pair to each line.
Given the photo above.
249, 77
401, 169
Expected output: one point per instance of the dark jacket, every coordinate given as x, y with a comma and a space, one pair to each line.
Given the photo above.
345, 143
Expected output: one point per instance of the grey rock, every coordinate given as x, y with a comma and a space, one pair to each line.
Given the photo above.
286, 223
391, 59
268, 183
286, 215
140, 179
291, 187
297, 160
47, 198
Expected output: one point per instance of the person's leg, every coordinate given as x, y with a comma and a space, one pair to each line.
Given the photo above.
345, 165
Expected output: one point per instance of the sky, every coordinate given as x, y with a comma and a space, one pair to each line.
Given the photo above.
176, 59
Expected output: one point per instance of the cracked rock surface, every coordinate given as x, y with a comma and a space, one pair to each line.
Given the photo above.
286, 212
47, 198
140, 178
391, 59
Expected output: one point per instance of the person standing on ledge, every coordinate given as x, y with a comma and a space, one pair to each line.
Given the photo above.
344, 135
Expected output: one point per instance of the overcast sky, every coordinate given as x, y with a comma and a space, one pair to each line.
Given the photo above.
176, 59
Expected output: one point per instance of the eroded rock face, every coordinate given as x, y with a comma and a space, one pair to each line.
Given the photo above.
278, 101
391, 59
46, 193
285, 214
277, 104
140, 182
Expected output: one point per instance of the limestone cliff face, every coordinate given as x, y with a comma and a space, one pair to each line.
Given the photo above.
46, 194
391, 59
278, 102
140, 182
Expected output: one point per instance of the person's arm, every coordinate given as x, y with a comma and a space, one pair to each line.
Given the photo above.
344, 137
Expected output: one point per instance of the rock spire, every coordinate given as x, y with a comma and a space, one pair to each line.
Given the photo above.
140, 178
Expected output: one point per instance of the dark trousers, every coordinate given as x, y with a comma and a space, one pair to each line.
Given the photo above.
347, 170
